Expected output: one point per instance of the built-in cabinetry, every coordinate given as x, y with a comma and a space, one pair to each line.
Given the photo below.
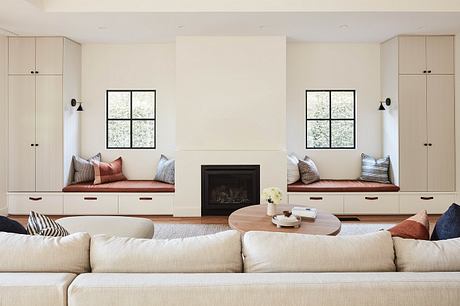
43, 75
419, 126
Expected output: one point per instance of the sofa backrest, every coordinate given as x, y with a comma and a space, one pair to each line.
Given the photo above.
215, 253
283, 252
24, 253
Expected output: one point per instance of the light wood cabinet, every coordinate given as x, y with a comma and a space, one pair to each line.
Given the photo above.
36, 112
422, 111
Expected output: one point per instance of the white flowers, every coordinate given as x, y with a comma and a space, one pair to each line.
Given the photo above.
272, 195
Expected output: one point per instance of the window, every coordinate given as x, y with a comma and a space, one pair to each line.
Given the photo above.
131, 119
330, 119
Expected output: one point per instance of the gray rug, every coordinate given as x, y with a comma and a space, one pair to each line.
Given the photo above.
174, 230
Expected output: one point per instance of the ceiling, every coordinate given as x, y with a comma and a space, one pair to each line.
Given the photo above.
21, 17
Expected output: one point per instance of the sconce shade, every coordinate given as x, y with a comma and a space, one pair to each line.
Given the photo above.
80, 108
381, 108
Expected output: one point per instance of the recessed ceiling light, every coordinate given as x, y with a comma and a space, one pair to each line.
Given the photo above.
180, 26
420, 28
261, 27
102, 28
343, 26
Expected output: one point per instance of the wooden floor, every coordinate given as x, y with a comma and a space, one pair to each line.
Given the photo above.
224, 219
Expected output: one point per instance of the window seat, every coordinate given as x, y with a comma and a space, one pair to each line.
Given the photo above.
122, 186
342, 186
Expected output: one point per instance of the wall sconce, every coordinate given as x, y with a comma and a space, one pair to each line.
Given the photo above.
74, 102
387, 102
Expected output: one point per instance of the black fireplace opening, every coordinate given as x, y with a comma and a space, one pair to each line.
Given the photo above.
226, 188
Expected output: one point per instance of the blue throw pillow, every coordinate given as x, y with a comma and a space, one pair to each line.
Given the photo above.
11, 226
448, 225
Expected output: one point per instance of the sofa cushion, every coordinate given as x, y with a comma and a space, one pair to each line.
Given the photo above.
290, 289
415, 227
108, 172
448, 225
37, 289
121, 186
286, 252
23, 253
342, 186
11, 226
219, 252
427, 256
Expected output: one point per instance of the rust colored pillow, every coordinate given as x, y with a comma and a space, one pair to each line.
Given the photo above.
416, 227
108, 172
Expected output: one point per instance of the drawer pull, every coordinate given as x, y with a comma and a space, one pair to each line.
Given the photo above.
371, 198
35, 199
427, 198
90, 198
145, 199
316, 198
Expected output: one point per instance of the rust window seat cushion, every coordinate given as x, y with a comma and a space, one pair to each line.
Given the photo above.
122, 186
342, 186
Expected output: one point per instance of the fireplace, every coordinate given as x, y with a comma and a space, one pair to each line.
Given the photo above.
226, 188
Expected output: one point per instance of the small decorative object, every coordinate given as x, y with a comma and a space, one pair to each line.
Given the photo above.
305, 212
287, 219
273, 197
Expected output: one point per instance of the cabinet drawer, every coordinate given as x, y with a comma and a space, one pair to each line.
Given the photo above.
371, 204
329, 203
146, 204
433, 203
90, 204
22, 204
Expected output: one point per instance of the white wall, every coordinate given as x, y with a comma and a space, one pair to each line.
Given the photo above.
146, 66
231, 104
335, 66
457, 113
3, 124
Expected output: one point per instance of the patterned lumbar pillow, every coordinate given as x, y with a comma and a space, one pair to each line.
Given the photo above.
108, 172
308, 171
416, 227
10, 226
448, 225
293, 174
39, 224
83, 169
375, 170
165, 170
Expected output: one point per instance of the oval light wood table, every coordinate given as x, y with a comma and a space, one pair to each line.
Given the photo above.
254, 218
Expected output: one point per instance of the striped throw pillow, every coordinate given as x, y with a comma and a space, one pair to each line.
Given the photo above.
83, 169
39, 224
375, 170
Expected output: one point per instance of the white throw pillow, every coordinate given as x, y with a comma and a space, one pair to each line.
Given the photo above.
293, 174
24, 253
287, 252
217, 253
427, 256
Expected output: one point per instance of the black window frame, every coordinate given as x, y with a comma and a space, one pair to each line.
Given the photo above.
131, 119
330, 119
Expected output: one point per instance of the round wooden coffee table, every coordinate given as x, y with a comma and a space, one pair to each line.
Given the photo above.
254, 218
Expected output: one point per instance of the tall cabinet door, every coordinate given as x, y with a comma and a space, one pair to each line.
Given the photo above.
441, 127
21, 114
413, 129
412, 58
49, 55
49, 133
21, 58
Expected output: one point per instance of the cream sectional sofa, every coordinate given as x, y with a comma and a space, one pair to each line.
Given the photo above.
223, 269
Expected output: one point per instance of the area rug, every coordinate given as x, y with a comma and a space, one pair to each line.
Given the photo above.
172, 230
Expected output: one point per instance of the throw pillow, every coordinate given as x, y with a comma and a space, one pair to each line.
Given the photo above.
308, 171
165, 170
108, 172
375, 170
448, 225
416, 227
293, 174
11, 226
83, 169
39, 224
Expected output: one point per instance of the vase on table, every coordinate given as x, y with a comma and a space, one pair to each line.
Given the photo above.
271, 209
